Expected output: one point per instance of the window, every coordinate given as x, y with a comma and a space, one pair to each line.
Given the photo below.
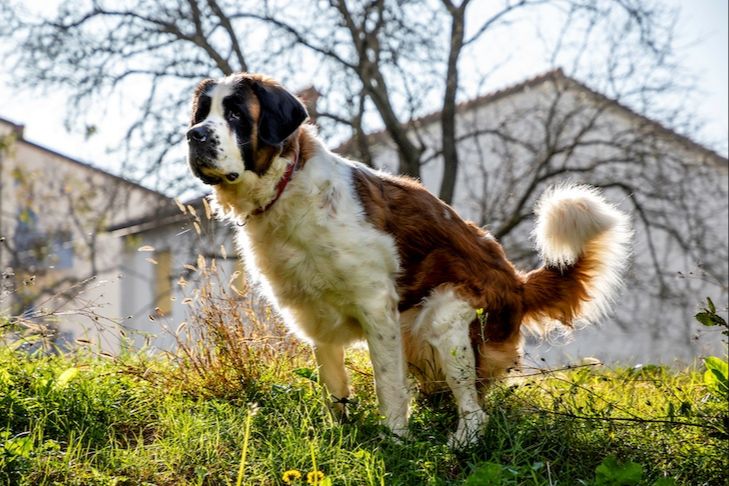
28, 240
36, 249
61, 250
163, 282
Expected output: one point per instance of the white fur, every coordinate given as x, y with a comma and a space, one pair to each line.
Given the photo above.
443, 322
572, 219
330, 272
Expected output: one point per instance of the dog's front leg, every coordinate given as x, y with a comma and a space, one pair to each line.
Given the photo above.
388, 362
330, 360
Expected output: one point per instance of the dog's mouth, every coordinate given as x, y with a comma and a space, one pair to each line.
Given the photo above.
198, 171
210, 180
207, 174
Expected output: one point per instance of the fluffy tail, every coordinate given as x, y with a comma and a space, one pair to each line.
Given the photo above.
584, 242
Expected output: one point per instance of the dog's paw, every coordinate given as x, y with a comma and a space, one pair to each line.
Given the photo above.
470, 428
340, 409
399, 436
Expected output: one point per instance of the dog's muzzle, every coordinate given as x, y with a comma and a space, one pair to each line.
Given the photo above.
201, 154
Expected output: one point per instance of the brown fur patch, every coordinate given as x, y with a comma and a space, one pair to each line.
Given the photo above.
263, 156
301, 143
552, 293
437, 247
495, 359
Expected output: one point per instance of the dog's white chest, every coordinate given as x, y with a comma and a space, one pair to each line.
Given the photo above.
319, 253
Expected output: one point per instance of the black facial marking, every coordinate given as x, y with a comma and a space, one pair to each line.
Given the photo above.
202, 143
202, 108
201, 101
240, 122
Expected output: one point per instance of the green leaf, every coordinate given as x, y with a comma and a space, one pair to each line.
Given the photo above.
487, 474
710, 305
613, 473
709, 317
665, 482
65, 377
705, 318
717, 364
716, 377
307, 373
19, 446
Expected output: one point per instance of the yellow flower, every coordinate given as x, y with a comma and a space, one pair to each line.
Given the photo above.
291, 475
314, 477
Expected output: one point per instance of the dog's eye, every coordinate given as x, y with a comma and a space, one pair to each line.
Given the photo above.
233, 114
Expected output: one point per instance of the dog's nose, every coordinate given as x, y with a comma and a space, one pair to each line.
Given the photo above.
198, 134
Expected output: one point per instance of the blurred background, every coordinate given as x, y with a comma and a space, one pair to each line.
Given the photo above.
104, 235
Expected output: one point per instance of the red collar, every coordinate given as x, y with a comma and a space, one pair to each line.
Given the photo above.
282, 183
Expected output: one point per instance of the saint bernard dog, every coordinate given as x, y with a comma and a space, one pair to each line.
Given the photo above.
349, 253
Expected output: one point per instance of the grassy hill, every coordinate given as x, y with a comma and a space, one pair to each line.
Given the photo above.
84, 420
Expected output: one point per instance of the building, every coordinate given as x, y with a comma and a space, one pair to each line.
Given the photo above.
165, 260
512, 144
59, 264
551, 129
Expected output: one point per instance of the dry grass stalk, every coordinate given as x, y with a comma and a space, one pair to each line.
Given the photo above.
231, 337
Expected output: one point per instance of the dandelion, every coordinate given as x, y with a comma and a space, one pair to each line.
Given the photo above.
314, 477
290, 476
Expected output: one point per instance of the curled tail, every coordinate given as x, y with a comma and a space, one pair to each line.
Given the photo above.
584, 242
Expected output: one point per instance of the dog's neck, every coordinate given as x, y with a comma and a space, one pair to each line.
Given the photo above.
253, 194
291, 167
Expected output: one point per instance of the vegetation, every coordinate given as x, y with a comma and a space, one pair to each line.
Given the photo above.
79, 419
239, 403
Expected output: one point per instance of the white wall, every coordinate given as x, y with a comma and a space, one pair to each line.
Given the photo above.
493, 174
138, 276
51, 185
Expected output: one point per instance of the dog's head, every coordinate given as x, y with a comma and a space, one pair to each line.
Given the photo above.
239, 123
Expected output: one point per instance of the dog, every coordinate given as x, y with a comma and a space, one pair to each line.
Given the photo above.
348, 253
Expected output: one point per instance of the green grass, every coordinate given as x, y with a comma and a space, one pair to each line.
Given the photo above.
79, 420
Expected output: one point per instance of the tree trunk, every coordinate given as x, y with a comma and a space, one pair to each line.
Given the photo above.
448, 114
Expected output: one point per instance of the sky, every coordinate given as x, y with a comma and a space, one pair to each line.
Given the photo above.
705, 21
703, 46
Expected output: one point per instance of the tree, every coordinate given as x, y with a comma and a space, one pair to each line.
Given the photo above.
380, 62
389, 64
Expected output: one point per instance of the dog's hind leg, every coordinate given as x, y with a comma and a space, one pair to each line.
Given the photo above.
444, 324
333, 375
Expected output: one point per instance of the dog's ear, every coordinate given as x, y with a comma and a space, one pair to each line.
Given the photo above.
281, 113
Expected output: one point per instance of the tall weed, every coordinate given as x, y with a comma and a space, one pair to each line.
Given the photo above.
231, 338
